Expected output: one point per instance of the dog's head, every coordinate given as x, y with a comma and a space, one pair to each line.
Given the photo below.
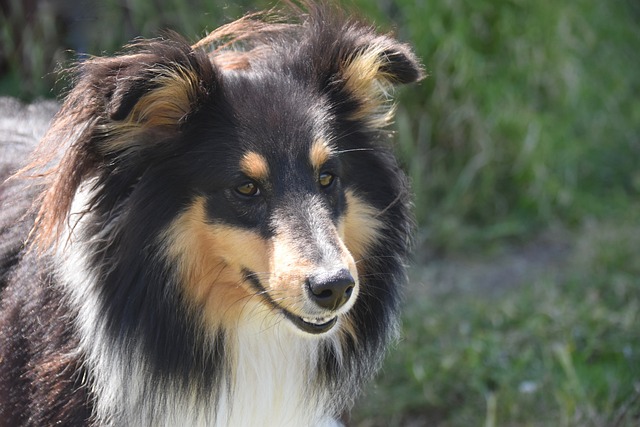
256, 169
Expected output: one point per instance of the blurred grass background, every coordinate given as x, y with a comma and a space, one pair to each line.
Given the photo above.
523, 146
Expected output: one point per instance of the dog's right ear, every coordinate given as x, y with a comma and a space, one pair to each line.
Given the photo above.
151, 91
118, 106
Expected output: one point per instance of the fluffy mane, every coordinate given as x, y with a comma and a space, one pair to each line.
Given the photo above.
221, 229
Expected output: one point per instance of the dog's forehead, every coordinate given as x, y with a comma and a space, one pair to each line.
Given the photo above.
277, 113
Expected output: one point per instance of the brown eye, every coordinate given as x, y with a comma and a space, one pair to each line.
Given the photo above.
326, 179
248, 189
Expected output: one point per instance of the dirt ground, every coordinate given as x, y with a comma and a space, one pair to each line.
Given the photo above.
509, 267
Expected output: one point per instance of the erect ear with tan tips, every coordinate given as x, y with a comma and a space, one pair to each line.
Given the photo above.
370, 73
399, 64
383, 57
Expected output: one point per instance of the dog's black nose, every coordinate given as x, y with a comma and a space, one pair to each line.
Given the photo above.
331, 290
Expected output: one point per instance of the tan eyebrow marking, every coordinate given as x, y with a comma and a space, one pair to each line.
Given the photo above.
320, 152
254, 166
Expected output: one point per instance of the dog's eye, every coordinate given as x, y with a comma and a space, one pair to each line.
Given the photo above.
249, 189
325, 179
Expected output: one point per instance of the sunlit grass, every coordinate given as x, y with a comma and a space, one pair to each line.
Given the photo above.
528, 115
560, 350
529, 120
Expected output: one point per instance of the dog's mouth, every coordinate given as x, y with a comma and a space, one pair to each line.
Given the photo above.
318, 325
309, 324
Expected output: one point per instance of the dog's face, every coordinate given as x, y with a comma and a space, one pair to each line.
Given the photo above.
261, 177
274, 219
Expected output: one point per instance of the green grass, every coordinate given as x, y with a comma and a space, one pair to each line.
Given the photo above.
561, 349
36, 42
528, 115
529, 120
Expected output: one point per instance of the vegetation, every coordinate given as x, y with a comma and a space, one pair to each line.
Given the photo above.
528, 116
559, 350
529, 122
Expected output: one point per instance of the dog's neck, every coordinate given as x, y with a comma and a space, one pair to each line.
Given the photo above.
270, 376
274, 379
270, 373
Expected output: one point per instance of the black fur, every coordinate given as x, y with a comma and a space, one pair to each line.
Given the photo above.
289, 88
41, 377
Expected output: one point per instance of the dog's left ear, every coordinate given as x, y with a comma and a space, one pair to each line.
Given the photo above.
383, 58
369, 73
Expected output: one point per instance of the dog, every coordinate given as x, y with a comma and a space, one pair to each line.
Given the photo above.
210, 234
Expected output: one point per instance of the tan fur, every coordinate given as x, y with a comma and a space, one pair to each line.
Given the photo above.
360, 228
163, 108
365, 80
227, 43
320, 153
254, 166
231, 60
210, 259
289, 270
244, 28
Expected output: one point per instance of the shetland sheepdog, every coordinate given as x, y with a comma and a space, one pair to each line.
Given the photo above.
210, 234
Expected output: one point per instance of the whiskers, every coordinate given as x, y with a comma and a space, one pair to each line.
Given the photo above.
351, 150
